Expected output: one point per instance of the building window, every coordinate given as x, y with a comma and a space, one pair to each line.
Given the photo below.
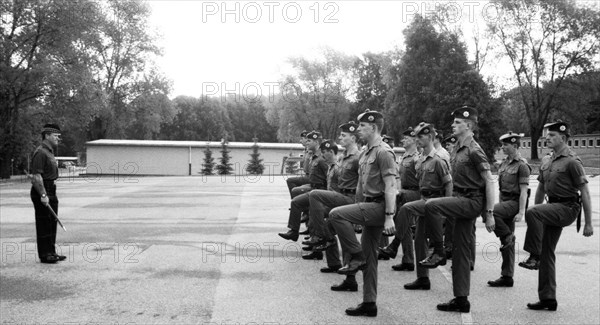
598, 142
576, 143
591, 143
570, 143
583, 143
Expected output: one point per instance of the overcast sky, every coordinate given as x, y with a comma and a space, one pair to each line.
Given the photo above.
207, 43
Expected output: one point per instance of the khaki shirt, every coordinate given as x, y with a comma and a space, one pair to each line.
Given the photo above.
407, 171
432, 172
376, 163
467, 162
348, 173
562, 173
513, 173
318, 171
44, 162
333, 177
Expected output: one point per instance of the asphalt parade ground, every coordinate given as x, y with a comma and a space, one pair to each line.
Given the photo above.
194, 250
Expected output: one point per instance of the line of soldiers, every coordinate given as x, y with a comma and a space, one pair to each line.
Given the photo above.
366, 191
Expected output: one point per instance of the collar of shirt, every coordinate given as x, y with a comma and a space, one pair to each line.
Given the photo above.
562, 152
376, 144
517, 157
48, 146
350, 153
466, 141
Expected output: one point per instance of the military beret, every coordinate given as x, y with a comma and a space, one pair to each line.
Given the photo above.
51, 128
327, 145
511, 137
303, 134
370, 116
387, 139
558, 126
409, 132
349, 127
314, 135
424, 128
451, 139
465, 112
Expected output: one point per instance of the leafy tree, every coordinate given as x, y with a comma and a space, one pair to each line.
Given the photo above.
209, 162
44, 70
370, 87
432, 79
224, 166
255, 167
291, 167
315, 97
545, 41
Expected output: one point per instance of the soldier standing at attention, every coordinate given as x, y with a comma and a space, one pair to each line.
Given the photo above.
472, 181
44, 170
513, 179
563, 179
374, 210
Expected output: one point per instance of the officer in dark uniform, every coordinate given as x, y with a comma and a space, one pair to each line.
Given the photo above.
301, 180
44, 170
472, 181
374, 210
321, 203
434, 182
318, 180
563, 179
513, 179
409, 192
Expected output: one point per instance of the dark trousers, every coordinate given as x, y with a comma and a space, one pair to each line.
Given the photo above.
321, 202
504, 216
45, 224
449, 241
416, 209
403, 223
544, 227
465, 211
295, 182
372, 217
299, 204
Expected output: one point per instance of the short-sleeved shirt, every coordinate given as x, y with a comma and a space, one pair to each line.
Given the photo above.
443, 154
432, 172
407, 171
467, 162
512, 173
376, 162
333, 177
44, 163
348, 173
318, 171
562, 174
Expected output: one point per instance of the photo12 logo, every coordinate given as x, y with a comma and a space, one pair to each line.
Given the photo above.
271, 12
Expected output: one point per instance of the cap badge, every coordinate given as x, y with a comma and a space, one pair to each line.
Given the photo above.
371, 118
466, 114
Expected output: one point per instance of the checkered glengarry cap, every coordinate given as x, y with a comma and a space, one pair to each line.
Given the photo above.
51, 128
349, 127
314, 135
409, 132
424, 128
370, 116
511, 137
465, 112
558, 126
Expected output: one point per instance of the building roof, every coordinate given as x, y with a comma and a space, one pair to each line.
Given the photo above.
195, 144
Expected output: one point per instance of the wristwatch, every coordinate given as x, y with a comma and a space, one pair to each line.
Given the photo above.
390, 213
489, 211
